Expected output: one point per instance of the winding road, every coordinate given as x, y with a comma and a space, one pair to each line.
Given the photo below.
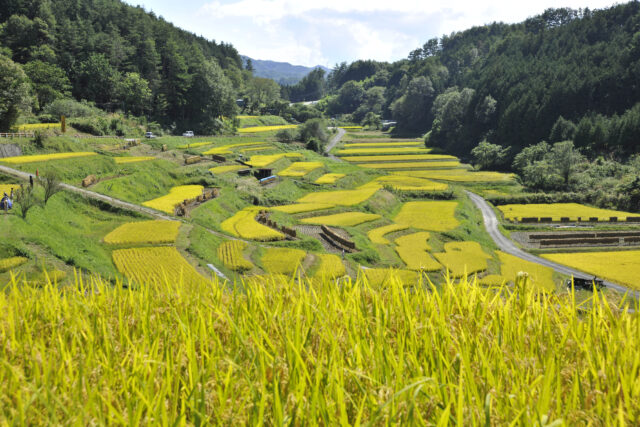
333, 142
506, 245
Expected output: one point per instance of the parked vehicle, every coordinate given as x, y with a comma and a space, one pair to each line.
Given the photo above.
587, 284
188, 134
149, 135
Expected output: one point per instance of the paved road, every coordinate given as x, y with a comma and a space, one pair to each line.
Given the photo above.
506, 245
333, 142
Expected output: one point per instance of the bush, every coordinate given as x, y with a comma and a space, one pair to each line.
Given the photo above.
71, 108
314, 129
48, 118
286, 136
97, 126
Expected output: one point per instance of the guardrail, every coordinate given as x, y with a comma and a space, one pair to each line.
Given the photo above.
16, 135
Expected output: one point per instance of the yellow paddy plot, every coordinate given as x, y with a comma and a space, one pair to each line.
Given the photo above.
195, 144
385, 144
382, 150
351, 127
12, 262
345, 219
156, 265
462, 258
300, 169
431, 215
228, 149
6, 188
399, 158
301, 207
231, 254
258, 148
46, 157
176, 195
38, 126
330, 267
413, 249
377, 234
264, 160
243, 224
406, 183
282, 260
617, 266
125, 160
340, 197
460, 175
247, 117
256, 129
555, 211
219, 170
157, 231
329, 178
540, 276
384, 276
413, 165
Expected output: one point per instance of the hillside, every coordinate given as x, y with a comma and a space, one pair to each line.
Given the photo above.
282, 72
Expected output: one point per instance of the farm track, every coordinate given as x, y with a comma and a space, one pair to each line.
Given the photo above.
332, 143
506, 245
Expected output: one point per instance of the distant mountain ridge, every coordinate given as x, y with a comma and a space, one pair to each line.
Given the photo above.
282, 72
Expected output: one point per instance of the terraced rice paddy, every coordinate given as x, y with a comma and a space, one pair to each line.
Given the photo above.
331, 267
11, 262
385, 276
176, 195
300, 169
340, 197
431, 215
261, 161
329, 178
195, 145
231, 254
377, 234
413, 165
398, 158
46, 157
155, 265
388, 150
282, 260
228, 148
219, 170
406, 183
6, 188
243, 224
540, 276
413, 249
126, 160
155, 232
460, 175
463, 258
256, 129
617, 266
556, 211
384, 144
301, 207
345, 219
38, 126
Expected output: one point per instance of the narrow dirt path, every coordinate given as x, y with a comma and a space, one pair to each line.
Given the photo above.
506, 245
333, 142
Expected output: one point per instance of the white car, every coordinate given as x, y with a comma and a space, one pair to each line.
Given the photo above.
149, 135
188, 134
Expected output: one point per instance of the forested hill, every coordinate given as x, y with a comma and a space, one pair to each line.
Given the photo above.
120, 56
566, 74
282, 72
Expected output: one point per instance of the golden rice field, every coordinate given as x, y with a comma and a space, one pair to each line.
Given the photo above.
12, 262
463, 258
231, 254
460, 175
329, 178
340, 197
282, 260
272, 350
345, 219
413, 165
195, 144
6, 188
621, 267
176, 195
388, 150
227, 149
431, 215
399, 158
540, 276
243, 224
155, 265
406, 183
330, 267
46, 157
156, 231
413, 250
377, 277
384, 144
258, 148
377, 234
247, 117
256, 129
573, 211
261, 161
218, 170
300, 169
301, 207
38, 126
125, 160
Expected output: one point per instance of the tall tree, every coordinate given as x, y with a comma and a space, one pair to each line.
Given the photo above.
15, 90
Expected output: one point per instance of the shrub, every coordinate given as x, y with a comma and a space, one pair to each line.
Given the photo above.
286, 136
71, 108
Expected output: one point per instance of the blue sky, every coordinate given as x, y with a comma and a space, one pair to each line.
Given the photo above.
332, 31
